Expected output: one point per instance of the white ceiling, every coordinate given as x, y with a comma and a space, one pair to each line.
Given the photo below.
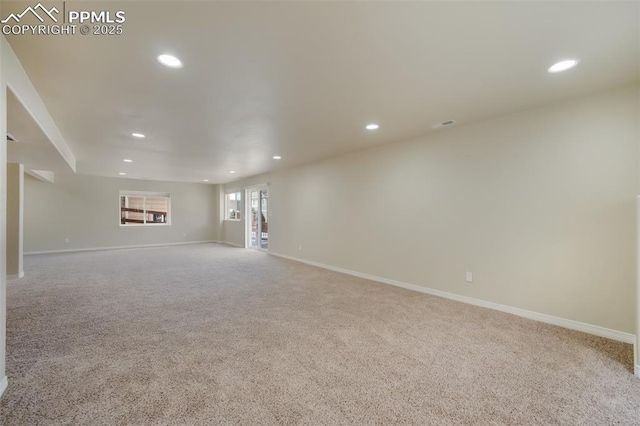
302, 80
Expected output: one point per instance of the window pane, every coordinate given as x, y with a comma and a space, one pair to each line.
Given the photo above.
157, 208
131, 210
233, 203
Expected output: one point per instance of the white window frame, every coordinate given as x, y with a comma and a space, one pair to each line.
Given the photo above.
144, 194
238, 205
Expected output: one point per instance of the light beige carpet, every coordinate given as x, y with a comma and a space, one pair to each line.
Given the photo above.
208, 334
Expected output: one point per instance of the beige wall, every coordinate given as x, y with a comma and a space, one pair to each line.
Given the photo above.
85, 209
15, 203
3, 217
539, 205
233, 231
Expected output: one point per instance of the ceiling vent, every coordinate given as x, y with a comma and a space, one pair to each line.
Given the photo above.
443, 124
10, 138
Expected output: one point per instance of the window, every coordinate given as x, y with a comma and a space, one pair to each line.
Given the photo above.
144, 208
232, 206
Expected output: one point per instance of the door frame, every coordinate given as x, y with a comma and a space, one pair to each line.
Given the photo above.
247, 216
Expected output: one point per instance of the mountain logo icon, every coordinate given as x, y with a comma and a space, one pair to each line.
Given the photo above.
34, 11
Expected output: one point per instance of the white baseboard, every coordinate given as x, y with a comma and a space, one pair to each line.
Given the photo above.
119, 247
231, 244
3, 385
548, 319
15, 276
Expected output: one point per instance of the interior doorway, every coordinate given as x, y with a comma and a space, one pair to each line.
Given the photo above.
257, 219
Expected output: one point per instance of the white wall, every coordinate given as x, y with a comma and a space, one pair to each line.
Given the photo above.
15, 221
85, 209
539, 205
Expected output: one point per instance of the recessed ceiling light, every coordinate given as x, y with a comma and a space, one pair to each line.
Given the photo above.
277, 157
138, 135
126, 160
232, 171
206, 180
122, 174
372, 126
563, 65
169, 61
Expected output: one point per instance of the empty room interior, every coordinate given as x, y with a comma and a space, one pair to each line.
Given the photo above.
319, 213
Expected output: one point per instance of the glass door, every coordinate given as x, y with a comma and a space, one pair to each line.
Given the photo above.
258, 218
264, 219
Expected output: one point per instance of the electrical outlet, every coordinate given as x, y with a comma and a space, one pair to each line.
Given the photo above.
66, 240
184, 234
300, 247
469, 277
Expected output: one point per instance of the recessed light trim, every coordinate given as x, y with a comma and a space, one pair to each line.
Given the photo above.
138, 135
169, 61
372, 126
122, 174
206, 180
126, 160
277, 157
565, 65
232, 171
